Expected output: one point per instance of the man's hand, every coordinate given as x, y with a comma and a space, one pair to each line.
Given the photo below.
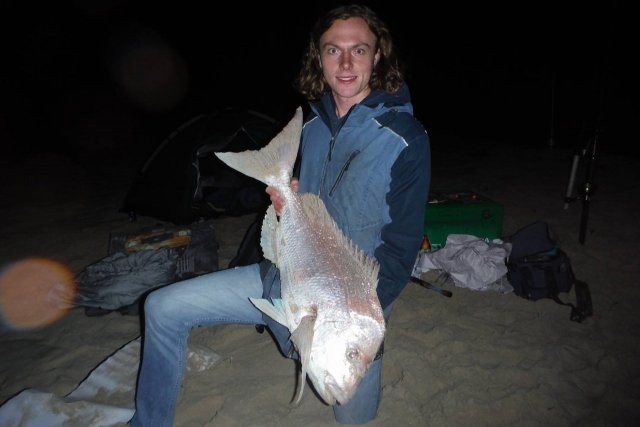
277, 200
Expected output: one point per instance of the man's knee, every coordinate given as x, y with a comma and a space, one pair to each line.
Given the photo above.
157, 307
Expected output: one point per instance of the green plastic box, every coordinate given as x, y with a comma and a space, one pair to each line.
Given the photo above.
461, 212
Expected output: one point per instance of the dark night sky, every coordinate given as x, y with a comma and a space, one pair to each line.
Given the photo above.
95, 72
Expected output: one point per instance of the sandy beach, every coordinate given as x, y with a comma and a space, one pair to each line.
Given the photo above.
91, 87
477, 358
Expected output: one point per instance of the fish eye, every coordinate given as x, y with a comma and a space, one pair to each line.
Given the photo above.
352, 354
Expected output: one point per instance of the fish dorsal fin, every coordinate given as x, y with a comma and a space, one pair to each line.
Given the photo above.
268, 236
274, 309
318, 215
302, 337
280, 154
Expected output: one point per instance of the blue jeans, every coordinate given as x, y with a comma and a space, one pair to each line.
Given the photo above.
217, 298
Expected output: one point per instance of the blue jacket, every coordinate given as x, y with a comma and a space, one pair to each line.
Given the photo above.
372, 170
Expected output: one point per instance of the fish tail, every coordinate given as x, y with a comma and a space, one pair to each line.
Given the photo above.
268, 164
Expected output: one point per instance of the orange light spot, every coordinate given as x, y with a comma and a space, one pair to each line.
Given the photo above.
35, 292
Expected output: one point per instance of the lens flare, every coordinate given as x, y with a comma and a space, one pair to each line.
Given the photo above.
34, 292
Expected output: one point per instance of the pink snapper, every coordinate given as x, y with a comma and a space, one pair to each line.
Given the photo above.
329, 301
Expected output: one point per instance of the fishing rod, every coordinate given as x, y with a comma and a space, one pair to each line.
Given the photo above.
586, 156
588, 188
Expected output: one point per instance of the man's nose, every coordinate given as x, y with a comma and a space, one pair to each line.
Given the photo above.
345, 60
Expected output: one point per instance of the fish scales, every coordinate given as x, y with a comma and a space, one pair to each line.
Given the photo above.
328, 286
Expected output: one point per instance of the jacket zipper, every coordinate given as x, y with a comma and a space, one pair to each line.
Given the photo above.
332, 143
342, 171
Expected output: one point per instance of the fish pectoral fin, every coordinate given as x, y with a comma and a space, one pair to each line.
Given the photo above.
302, 337
274, 309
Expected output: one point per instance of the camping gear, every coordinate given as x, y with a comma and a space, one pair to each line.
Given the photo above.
470, 261
182, 181
142, 261
460, 212
538, 268
249, 252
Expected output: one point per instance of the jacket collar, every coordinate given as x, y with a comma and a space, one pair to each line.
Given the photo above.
325, 107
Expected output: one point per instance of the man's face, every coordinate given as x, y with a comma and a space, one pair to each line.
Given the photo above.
347, 55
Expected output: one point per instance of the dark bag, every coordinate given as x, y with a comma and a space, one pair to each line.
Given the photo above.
250, 251
541, 275
537, 268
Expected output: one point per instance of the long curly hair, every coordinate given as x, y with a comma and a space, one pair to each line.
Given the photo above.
386, 73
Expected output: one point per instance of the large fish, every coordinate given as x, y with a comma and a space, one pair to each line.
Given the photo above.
329, 302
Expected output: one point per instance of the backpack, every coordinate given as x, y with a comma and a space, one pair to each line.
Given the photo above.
537, 268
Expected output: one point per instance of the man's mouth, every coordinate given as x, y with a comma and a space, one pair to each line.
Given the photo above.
346, 79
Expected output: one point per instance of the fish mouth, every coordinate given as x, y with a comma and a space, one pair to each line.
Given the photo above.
333, 393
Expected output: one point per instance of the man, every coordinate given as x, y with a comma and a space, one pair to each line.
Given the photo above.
366, 157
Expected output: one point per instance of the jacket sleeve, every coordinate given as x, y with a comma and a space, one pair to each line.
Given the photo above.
401, 237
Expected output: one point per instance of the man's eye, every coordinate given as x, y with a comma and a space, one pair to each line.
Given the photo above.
332, 51
359, 51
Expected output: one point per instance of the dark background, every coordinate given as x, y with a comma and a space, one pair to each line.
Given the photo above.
89, 77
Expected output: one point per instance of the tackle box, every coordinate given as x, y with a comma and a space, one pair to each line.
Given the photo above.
460, 212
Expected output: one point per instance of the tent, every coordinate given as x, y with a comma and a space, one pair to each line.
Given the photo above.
183, 181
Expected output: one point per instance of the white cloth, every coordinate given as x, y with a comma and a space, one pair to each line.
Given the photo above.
90, 404
472, 262
104, 399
